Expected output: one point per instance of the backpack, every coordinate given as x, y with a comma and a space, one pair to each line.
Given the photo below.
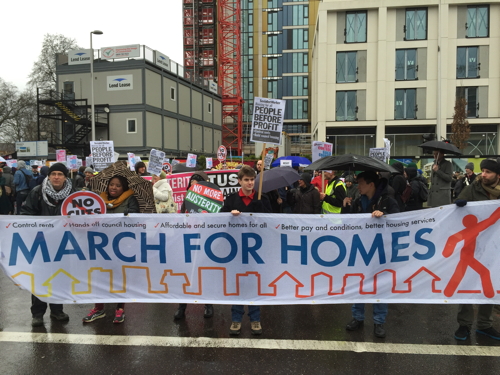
423, 193
406, 194
30, 181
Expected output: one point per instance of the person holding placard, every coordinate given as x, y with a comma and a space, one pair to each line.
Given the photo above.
209, 308
118, 199
46, 200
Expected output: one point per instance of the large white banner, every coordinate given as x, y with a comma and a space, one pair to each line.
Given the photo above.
439, 255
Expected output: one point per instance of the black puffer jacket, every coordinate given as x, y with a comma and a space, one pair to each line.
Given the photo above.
234, 202
36, 206
398, 183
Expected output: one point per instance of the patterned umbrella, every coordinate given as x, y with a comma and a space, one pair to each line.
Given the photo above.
143, 190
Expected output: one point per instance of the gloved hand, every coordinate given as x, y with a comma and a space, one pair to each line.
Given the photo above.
460, 202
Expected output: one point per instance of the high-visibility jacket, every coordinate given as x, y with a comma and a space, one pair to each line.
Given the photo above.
327, 208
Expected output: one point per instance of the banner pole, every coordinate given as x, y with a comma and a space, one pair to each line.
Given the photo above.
262, 172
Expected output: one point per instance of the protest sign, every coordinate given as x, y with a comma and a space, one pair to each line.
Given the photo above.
321, 149
387, 144
267, 120
103, 154
226, 180
209, 163
61, 155
221, 153
88, 161
204, 197
155, 165
191, 161
83, 203
72, 162
268, 160
79, 163
11, 163
167, 167
252, 258
378, 153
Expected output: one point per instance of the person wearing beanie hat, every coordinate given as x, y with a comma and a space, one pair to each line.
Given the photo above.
46, 200
305, 199
486, 186
89, 173
466, 180
59, 167
22, 178
351, 190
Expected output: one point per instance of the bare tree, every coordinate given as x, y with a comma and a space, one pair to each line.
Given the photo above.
460, 128
43, 74
8, 101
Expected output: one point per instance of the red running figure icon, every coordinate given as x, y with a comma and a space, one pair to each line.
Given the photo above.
469, 235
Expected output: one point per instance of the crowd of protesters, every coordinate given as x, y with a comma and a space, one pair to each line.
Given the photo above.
328, 192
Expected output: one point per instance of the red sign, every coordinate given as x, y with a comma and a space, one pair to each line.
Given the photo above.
221, 153
167, 167
83, 203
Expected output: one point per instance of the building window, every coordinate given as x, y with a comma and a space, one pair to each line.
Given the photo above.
250, 64
472, 101
296, 109
406, 64
346, 109
250, 42
467, 62
250, 18
131, 125
355, 31
346, 67
477, 25
172, 93
405, 104
209, 107
416, 24
250, 87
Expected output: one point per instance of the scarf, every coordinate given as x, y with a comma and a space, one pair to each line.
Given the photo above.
49, 191
113, 203
493, 192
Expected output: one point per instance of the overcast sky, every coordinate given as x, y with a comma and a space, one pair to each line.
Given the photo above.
156, 24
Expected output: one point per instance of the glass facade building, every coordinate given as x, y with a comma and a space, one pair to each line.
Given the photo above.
276, 55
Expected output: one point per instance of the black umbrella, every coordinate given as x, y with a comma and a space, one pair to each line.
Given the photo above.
277, 178
143, 189
350, 162
446, 147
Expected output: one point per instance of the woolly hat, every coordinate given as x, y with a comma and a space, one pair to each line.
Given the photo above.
469, 166
490, 164
412, 165
59, 167
21, 164
306, 177
89, 170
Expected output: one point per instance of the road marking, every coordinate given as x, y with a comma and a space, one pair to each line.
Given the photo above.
206, 342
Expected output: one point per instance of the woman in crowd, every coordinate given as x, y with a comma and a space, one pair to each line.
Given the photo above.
140, 169
209, 309
119, 199
163, 194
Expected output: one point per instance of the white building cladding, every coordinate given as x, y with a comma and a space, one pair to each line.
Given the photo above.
393, 68
151, 106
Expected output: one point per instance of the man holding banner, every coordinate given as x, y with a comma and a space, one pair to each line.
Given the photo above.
484, 187
46, 200
245, 201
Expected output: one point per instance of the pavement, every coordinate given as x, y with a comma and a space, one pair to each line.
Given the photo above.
297, 339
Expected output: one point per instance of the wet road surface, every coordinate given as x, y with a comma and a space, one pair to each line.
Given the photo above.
299, 339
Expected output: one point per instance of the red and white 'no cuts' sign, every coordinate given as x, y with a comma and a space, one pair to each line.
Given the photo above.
83, 203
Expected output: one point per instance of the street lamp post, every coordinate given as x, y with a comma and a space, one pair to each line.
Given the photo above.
92, 108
